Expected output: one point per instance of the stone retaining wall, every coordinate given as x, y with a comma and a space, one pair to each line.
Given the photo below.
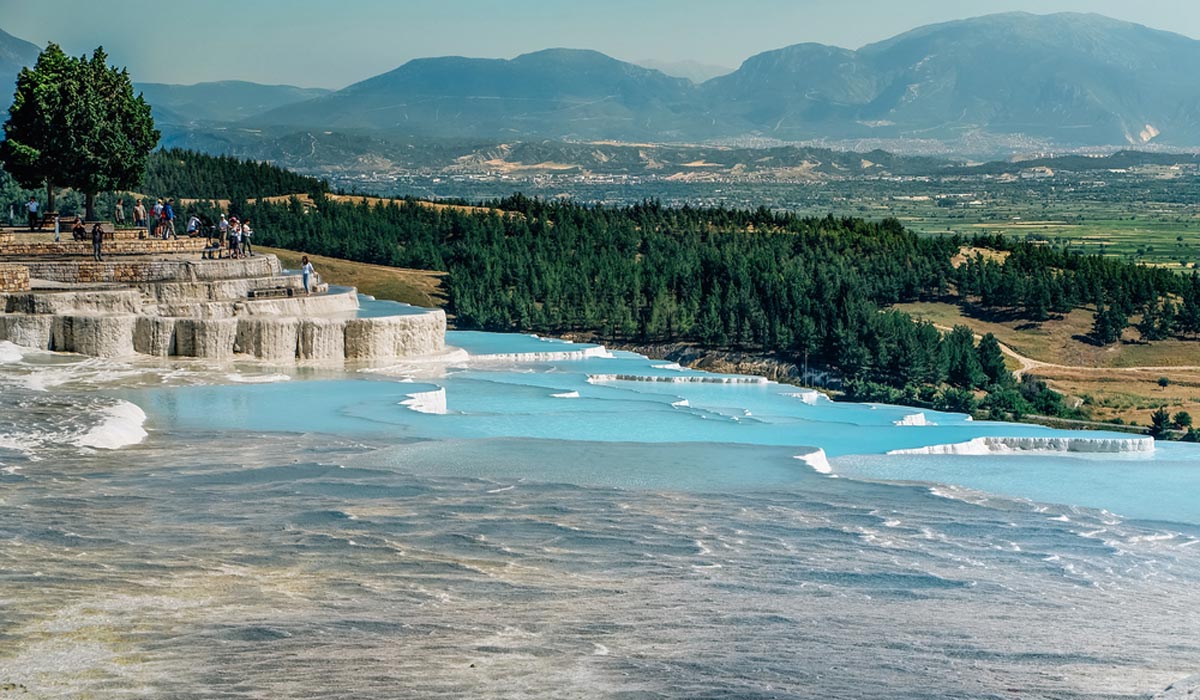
14, 278
134, 272
24, 249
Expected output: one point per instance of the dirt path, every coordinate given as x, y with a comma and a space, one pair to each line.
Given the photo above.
1028, 364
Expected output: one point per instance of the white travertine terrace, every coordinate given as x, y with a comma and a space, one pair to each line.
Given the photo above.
218, 309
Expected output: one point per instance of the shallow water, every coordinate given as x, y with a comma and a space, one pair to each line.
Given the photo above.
539, 519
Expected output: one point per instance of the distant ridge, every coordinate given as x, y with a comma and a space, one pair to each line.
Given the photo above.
226, 100
1063, 79
555, 93
692, 70
1077, 79
981, 87
14, 54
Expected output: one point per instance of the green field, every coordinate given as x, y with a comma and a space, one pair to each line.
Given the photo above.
1161, 235
1149, 215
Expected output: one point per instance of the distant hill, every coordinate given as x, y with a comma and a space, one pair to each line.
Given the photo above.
983, 88
15, 54
692, 70
1070, 78
224, 101
551, 93
1017, 79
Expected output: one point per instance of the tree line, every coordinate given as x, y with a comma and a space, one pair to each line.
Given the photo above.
1033, 280
814, 290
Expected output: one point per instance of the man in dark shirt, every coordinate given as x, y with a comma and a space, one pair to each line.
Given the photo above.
97, 239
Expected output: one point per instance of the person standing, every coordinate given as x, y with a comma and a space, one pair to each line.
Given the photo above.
57, 227
97, 240
139, 214
169, 215
119, 213
247, 232
32, 207
306, 273
235, 237
156, 218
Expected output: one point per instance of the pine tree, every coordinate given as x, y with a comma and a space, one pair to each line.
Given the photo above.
962, 362
991, 361
1160, 423
1108, 324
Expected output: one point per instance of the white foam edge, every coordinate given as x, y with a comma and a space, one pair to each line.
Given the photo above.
10, 352
817, 460
1012, 445
409, 365
598, 351
566, 395
808, 397
120, 426
259, 378
915, 420
684, 379
432, 402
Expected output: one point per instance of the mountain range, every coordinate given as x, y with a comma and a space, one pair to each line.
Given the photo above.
14, 55
1067, 79
1020, 80
222, 101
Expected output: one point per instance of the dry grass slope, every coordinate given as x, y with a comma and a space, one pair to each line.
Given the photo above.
1118, 381
417, 287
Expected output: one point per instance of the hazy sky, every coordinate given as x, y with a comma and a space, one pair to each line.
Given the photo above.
320, 43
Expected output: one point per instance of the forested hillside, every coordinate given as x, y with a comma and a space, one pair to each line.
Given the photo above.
196, 175
812, 290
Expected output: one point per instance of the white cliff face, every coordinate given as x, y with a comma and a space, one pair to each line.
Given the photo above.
396, 336
1003, 445
191, 310
913, 419
30, 331
321, 339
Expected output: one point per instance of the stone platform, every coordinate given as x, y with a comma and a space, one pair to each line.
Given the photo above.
24, 249
177, 306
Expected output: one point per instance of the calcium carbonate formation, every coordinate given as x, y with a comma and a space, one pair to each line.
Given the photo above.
217, 309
